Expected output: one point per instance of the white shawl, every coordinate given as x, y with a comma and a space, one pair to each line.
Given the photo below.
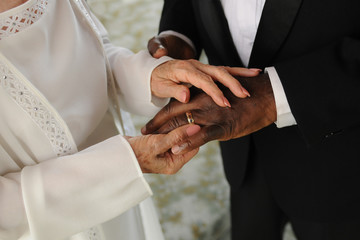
48, 188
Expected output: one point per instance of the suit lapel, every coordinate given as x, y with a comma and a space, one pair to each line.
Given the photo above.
276, 21
216, 27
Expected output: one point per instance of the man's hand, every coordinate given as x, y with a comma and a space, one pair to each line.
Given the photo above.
244, 117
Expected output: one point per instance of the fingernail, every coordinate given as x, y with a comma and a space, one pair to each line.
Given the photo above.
226, 102
246, 92
177, 149
192, 130
183, 97
255, 69
143, 130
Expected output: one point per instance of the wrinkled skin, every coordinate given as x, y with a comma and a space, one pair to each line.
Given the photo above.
169, 79
244, 117
172, 78
154, 154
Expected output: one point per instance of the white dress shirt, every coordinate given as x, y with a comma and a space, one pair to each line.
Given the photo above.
243, 17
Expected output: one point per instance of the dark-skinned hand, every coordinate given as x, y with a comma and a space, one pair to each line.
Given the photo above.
169, 45
245, 116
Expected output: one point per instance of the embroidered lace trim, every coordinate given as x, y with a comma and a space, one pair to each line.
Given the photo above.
37, 110
15, 23
87, 15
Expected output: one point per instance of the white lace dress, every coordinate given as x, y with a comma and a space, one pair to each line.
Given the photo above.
65, 173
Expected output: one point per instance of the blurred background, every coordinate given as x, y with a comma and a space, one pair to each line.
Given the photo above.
192, 204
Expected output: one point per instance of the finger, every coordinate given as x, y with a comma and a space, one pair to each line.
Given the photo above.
188, 72
171, 89
243, 72
179, 92
186, 156
222, 75
156, 48
160, 52
181, 120
180, 160
177, 136
205, 135
189, 155
173, 123
171, 110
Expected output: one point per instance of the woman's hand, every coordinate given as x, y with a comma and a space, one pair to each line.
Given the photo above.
154, 152
167, 80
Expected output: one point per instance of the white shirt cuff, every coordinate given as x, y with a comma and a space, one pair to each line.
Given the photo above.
179, 35
284, 116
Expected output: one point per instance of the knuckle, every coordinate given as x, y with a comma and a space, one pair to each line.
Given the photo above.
209, 78
172, 124
183, 64
179, 138
205, 136
193, 61
167, 109
176, 122
207, 81
149, 125
221, 71
216, 132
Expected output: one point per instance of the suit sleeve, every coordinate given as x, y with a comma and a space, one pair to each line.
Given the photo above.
179, 16
323, 88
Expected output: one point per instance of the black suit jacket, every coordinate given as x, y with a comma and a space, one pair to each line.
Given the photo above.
313, 168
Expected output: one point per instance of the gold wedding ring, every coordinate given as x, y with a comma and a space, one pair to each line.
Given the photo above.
189, 117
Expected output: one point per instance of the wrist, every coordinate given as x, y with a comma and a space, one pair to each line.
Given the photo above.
262, 95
